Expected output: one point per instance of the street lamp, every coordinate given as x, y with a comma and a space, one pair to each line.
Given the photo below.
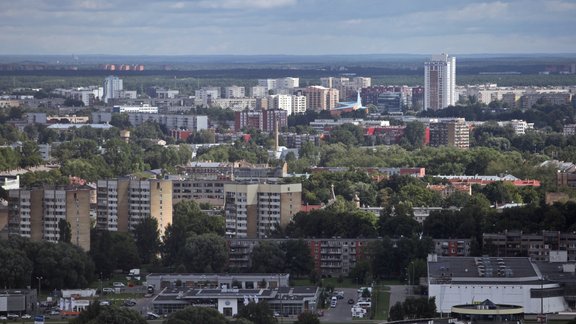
39, 282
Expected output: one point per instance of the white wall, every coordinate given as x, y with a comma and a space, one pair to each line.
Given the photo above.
448, 295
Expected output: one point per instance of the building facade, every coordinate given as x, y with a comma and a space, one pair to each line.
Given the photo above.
439, 82
123, 203
255, 210
453, 133
321, 98
36, 213
112, 88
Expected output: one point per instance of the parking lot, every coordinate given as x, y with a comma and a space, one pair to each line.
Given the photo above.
342, 310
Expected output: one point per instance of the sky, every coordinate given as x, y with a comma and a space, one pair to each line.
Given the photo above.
295, 27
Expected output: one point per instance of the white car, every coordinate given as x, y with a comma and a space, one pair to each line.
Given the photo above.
2, 317
26, 316
118, 284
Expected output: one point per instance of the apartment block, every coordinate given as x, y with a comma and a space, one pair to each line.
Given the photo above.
538, 246
454, 133
123, 203
264, 120
439, 82
254, 210
321, 98
36, 213
187, 122
234, 92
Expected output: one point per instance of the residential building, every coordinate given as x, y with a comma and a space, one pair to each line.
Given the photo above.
551, 98
124, 202
321, 98
36, 213
10, 182
454, 133
569, 130
347, 88
142, 109
257, 209
439, 82
264, 120
112, 88
205, 94
391, 102
258, 91
298, 104
280, 101
519, 126
234, 92
452, 247
187, 122
236, 104
538, 246
279, 85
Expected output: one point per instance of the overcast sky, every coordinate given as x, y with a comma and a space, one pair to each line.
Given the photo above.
197, 27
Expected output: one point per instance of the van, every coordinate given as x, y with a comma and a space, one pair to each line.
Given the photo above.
333, 301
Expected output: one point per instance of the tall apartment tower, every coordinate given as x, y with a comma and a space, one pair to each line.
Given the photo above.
124, 203
321, 98
36, 213
454, 133
112, 88
254, 210
439, 82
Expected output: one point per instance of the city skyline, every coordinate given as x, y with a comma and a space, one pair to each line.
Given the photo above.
291, 27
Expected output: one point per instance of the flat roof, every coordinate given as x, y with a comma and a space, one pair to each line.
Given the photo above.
483, 268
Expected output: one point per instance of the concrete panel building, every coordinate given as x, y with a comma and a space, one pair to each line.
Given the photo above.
454, 133
439, 82
321, 98
124, 203
256, 209
36, 213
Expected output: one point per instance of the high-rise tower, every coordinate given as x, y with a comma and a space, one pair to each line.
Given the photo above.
439, 82
112, 87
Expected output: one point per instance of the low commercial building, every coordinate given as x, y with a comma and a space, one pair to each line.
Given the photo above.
228, 293
512, 281
17, 301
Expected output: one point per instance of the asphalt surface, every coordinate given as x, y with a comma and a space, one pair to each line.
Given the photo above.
342, 312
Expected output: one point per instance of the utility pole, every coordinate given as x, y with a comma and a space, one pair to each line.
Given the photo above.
39, 287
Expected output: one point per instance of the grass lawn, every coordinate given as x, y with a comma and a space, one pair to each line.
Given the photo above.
381, 303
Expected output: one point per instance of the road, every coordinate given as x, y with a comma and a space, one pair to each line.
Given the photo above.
398, 293
341, 313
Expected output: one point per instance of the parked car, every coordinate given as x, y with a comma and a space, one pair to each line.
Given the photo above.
13, 316
2, 317
118, 284
351, 301
108, 290
152, 316
26, 316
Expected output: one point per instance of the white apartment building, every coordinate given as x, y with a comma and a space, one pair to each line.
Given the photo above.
439, 82
145, 108
258, 91
205, 94
234, 92
236, 104
112, 88
187, 122
279, 84
254, 210
280, 101
298, 104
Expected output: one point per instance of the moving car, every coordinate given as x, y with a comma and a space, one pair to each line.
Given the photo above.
351, 301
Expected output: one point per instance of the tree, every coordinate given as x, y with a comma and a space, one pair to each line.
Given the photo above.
64, 231
258, 313
205, 253
96, 314
187, 220
396, 312
307, 318
267, 257
30, 154
415, 133
147, 237
299, 261
196, 315
16, 267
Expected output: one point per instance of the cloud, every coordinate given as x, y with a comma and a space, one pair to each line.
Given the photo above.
246, 4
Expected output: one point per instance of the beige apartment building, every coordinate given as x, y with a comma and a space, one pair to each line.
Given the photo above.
254, 210
321, 98
123, 203
35, 213
454, 133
